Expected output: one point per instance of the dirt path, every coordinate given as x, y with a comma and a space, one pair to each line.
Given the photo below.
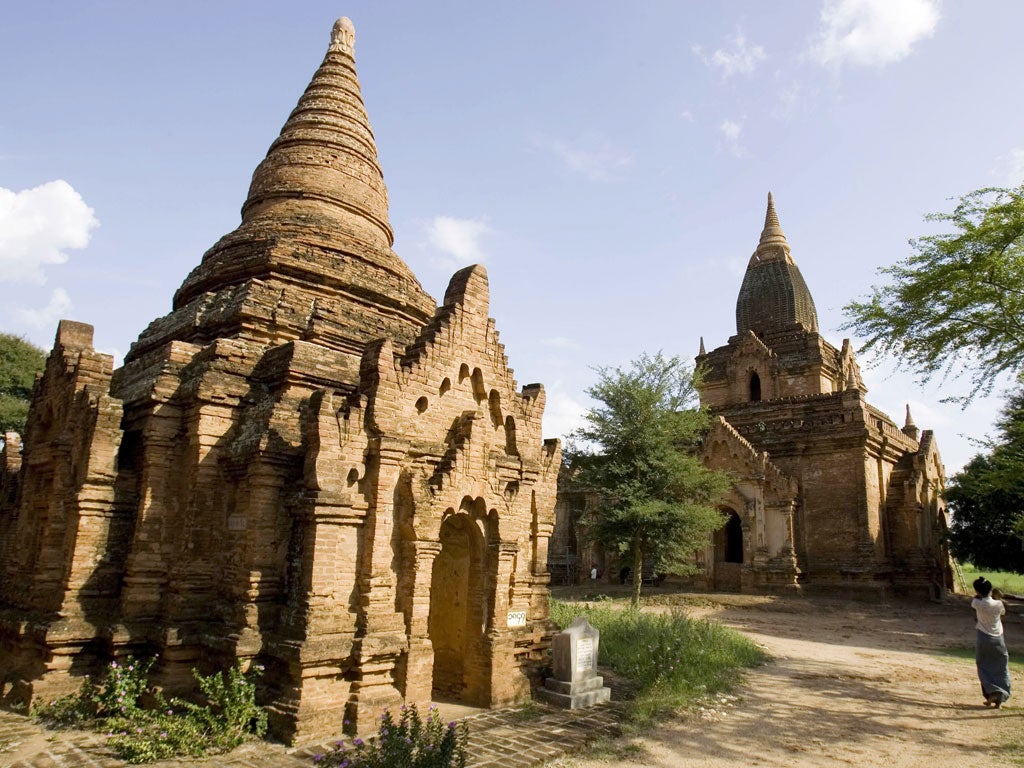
849, 684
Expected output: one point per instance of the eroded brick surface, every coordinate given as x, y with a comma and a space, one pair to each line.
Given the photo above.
308, 464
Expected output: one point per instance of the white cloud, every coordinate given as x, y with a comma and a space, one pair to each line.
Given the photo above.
687, 115
37, 226
562, 412
1014, 160
598, 162
740, 59
58, 308
458, 240
872, 33
732, 131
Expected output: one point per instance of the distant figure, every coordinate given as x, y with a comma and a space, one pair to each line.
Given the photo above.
624, 574
990, 645
593, 574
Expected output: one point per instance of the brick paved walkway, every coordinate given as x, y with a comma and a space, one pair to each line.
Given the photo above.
507, 738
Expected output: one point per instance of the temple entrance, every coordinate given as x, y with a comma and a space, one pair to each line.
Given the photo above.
729, 553
457, 609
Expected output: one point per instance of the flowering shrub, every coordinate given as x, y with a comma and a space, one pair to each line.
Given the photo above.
170, 729
124, 684
411, 742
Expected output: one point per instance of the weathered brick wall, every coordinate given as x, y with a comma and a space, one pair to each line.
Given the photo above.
274, 472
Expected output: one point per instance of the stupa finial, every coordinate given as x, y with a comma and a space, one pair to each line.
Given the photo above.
343, 36
910, 428
771, 218
702, 352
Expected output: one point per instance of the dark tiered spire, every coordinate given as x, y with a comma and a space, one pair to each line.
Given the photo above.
774, 296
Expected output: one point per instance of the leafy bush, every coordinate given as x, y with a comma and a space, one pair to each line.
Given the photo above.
122, 687
71, 711
676, 661
231, 712
412, 742
170, 729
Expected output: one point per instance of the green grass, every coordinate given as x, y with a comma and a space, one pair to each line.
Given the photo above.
1012, 583
967, 654
676, 661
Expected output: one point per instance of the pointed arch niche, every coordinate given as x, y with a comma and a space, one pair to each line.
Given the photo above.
459, 600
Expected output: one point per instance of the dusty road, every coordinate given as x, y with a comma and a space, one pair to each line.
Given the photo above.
849, 684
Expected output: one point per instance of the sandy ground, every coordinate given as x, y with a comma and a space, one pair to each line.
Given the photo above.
849, 684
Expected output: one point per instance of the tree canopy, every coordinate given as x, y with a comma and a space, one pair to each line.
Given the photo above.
987, 497
20, 361
638, 452
957, 304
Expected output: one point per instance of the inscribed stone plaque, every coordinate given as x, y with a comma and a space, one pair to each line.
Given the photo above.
585, 654
574, 681
517, 618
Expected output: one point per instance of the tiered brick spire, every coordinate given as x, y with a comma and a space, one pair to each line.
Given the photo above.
312, 257
774, 296
325, 160
773, 245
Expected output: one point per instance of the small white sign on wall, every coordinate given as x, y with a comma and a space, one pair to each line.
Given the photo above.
517, 618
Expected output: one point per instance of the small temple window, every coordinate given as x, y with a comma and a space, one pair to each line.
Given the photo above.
755, 387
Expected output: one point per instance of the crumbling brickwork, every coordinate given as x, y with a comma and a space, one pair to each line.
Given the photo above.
306, 463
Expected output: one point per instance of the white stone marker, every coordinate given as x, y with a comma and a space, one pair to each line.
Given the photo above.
574, 682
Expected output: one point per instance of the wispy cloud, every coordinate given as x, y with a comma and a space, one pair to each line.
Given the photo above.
457, 241
732, 131
872, 33
597, 161
58, 308
37, 226
738, 58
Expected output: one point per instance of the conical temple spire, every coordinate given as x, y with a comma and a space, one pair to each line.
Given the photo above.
314, 234
324, 163
910, 428
702, 352
773, 245
774, 295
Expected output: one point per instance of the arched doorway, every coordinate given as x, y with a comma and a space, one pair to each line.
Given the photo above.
729, 553
458, 609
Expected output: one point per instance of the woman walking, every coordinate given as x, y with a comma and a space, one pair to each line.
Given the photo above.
990, 647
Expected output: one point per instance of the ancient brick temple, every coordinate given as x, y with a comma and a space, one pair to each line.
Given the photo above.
306, 463
829, 493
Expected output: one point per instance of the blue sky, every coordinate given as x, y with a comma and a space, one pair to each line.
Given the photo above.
607, 162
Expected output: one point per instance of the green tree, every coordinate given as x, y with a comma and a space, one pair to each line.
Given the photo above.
987, 498
638, 452
20, 361
956, 304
